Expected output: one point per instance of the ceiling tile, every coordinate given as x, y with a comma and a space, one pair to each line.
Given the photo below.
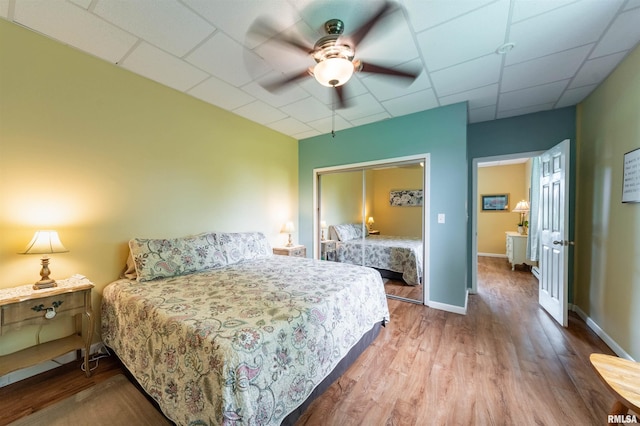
283, 57
235, 21
623, 35
237, 60
260, 112
222, 94
528, 9
384, 87
408, 104
574, 96
325, 125
371, 118
467, 76
289, 126
74, 26
308, 109
477, 98
558, 66
573, 25
307, 134
388, 43
429, 13
166, 24
486, 113
284, 96
362, 106
595, 70
544, 94
526, 110
162, 67
470, 36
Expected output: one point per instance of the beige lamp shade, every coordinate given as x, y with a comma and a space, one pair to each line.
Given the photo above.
521, 207
44, 243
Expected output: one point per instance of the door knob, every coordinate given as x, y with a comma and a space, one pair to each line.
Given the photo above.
564, 243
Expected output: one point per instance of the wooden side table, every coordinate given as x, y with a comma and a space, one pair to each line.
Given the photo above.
22, 306
295, 251
623, 378
374, 232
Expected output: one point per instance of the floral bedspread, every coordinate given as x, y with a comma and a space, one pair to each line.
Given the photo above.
242, 344
397, 254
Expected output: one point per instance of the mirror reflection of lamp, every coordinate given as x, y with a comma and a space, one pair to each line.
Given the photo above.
370, 222
45, 243
323, 226
288, 228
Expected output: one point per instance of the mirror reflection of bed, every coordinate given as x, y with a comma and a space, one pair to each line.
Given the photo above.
373, 215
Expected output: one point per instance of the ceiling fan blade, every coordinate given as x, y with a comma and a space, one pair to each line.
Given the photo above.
273, 86
377, 69
265, 29
364, 29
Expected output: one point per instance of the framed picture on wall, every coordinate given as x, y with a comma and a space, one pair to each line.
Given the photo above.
495, 203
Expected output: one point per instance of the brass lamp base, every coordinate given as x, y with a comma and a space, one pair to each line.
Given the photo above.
45, 282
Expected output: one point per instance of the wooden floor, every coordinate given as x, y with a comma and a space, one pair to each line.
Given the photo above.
506, 362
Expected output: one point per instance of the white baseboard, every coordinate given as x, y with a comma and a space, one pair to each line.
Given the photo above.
451, 308
600, 332
16, 376
493, 255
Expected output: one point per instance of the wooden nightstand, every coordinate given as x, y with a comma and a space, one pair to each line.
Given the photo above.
295, 251
328, 249
374, 232
22, 306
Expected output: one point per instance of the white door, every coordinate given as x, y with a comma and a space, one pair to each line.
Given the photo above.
554, 231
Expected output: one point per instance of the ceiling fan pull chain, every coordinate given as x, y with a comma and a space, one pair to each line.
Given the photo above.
333, 116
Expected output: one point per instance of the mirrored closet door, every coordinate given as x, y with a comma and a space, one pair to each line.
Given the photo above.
374, 215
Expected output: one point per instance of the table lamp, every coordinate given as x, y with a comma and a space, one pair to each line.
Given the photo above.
323, 226
288, 228
370, 222
45, 242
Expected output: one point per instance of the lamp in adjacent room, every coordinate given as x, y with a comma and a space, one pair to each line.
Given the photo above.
288, 228
45, 243
523, 208
370, 222
323, 226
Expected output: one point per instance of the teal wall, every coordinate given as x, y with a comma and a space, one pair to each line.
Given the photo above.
441, 132
526, 133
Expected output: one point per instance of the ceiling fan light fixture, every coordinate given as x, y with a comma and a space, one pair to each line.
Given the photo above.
333, 72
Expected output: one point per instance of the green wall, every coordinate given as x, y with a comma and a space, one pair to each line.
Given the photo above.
441, 132
608, 231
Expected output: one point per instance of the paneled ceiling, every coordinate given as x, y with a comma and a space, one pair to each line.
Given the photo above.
205, 48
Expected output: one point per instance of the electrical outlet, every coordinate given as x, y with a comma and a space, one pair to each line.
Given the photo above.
440, 217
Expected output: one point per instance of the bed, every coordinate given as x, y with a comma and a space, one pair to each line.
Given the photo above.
398, 255
220, 331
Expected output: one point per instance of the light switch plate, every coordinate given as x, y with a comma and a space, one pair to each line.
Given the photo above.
440, 217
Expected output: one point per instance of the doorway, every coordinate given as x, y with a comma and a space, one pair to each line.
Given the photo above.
488, 161
358, 199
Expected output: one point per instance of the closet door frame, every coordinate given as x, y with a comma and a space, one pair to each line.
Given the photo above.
425, 159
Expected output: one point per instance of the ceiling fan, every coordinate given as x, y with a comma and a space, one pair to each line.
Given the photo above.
334, 55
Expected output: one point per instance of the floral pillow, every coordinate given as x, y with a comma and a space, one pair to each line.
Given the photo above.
241, 246
349, 231
161, 258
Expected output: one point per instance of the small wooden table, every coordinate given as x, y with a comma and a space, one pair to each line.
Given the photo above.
623, 378
22, 306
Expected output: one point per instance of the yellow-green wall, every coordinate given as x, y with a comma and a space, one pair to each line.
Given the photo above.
607, 251
509, 179
103, 155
